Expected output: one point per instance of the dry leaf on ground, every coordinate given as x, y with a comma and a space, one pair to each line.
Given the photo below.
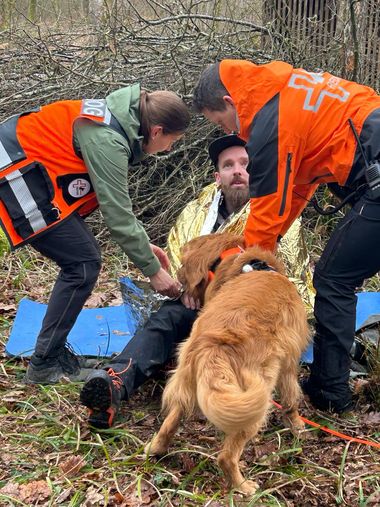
34, 492
64, 495
372, 418
31, 493
10, 489
71, 466
93, 498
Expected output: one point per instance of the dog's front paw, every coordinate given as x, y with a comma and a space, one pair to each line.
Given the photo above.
297, 427
155, 448
248, 488
294, 423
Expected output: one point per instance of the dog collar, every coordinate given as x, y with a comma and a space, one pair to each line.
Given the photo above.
231, 251
223, 255
256, 265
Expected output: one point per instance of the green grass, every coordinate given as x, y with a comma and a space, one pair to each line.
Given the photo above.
43, 427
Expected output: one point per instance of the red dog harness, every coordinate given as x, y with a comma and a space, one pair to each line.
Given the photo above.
231, 251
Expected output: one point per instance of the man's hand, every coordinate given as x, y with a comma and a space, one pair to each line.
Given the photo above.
163, 283
161, 256
190, 302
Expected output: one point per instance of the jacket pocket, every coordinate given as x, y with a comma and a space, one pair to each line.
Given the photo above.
27, 195
288, 170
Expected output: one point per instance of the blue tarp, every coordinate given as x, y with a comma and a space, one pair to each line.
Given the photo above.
101, 332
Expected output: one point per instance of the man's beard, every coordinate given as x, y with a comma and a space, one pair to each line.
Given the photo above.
236, 197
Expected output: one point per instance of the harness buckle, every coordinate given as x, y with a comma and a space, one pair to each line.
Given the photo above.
58, 211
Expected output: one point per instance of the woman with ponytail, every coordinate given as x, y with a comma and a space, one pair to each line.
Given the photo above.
57, 165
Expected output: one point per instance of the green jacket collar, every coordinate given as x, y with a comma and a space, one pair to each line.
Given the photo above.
124, 104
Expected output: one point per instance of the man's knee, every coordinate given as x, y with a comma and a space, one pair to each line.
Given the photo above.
82, 274
177, 313
91, 271
329, 283
323, 284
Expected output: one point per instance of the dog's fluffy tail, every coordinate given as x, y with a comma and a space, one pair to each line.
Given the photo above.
232, 401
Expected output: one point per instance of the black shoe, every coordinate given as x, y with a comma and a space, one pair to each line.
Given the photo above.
49, 375
326, 401
69, 361
51, 370
102, 393
52, 373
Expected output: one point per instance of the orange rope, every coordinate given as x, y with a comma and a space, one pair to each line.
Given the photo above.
123, 371
333, 432
116, 380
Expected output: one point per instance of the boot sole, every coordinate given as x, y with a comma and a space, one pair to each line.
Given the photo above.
96, 394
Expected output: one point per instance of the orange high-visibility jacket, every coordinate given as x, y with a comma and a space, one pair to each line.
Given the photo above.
298, 136
42, 179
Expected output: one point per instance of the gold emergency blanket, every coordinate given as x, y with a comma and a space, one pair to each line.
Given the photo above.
190, 224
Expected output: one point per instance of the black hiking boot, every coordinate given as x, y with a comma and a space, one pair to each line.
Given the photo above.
49, 375
325, 401
51, 370
101, 394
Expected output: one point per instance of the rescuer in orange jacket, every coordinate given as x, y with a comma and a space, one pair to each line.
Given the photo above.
57, 164
303, 129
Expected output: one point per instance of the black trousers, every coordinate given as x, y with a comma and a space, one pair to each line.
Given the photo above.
351, 255
153, 345
73, 247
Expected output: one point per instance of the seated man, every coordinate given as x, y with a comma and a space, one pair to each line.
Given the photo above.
221, 206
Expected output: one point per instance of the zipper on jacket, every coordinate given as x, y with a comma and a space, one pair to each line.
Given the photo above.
286, 183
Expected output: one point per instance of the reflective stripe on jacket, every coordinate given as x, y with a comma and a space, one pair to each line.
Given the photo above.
42, 179
298, 136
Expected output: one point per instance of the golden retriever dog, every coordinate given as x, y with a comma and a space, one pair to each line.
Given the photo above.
246, 342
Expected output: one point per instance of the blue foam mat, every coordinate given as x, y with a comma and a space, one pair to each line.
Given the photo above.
368, 304
105, 331
97, 331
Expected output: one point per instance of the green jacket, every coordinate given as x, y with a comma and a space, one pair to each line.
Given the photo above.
107, 156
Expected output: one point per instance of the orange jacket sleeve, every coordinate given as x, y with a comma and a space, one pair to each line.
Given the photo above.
301, 196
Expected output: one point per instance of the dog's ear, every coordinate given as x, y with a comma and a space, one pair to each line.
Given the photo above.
198, 256
193, 275
194, 281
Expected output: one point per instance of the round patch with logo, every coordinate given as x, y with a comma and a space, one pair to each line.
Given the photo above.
79, 187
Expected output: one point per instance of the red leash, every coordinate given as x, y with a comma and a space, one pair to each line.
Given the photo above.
333, 432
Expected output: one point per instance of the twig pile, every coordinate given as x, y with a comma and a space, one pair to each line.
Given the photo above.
163, 45
165, 51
